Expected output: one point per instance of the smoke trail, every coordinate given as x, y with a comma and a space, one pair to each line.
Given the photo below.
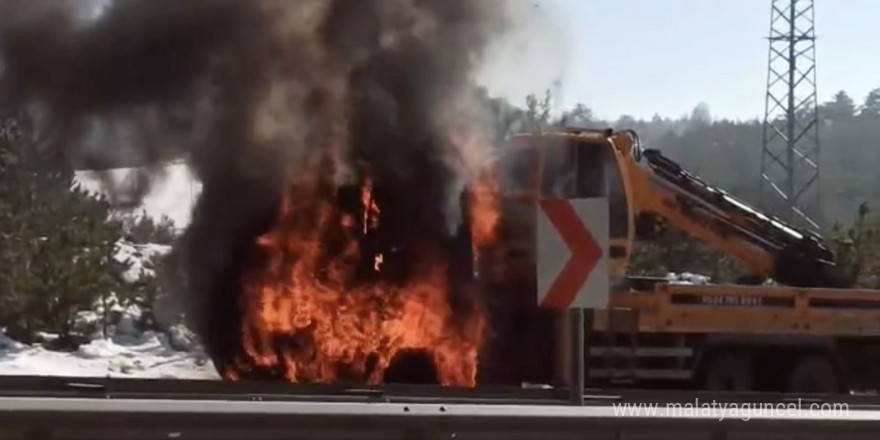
253, 92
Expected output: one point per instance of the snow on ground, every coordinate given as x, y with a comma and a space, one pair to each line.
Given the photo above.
125, 351
148, 355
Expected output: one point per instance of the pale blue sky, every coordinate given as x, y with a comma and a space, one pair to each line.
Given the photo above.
641, 57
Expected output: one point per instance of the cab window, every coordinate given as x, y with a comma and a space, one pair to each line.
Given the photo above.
599, 176
559, 177
517, 170
592, 162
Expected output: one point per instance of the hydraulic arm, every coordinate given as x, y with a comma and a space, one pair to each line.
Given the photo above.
666, 194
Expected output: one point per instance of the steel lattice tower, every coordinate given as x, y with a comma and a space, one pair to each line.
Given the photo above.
790, 160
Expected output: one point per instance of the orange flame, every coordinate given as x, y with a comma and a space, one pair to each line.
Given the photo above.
484, 190
371, 209
305, 312
377, 262
485, 211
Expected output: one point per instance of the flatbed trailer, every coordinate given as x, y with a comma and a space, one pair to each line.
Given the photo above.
120, 409
737, 337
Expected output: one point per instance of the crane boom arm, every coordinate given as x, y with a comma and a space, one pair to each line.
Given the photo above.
663, 191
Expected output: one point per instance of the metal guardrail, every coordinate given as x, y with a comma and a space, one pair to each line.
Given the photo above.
59, 387
98, 408
68, 418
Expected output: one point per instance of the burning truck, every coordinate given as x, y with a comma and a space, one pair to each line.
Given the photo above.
373, 283
359, 283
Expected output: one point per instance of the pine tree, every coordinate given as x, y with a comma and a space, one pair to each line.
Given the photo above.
145, 229
871, 107
56, 245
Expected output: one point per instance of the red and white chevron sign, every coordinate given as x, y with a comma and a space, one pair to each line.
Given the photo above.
572, 253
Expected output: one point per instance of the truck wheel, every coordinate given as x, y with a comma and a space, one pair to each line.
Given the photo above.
729, 372
814, 373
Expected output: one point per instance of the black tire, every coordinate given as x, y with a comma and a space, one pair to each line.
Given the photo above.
814, 373
729, 371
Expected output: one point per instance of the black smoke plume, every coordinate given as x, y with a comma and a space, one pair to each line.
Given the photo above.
252, 93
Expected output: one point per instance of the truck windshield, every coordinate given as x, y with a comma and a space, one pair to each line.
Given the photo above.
559, 176
517, 170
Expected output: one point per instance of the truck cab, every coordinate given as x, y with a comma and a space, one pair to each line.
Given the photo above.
570, 164
532, 167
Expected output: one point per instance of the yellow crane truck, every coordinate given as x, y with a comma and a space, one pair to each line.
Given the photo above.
807, 331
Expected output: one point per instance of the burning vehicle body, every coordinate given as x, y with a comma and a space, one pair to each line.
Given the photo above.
359, 283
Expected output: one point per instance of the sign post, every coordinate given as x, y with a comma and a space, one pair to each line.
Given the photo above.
573, 269
578, 382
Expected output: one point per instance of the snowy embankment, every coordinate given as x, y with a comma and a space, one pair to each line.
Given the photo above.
125, 350
147, 355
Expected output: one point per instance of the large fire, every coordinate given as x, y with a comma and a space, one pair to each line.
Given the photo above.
349, 277
313, 313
